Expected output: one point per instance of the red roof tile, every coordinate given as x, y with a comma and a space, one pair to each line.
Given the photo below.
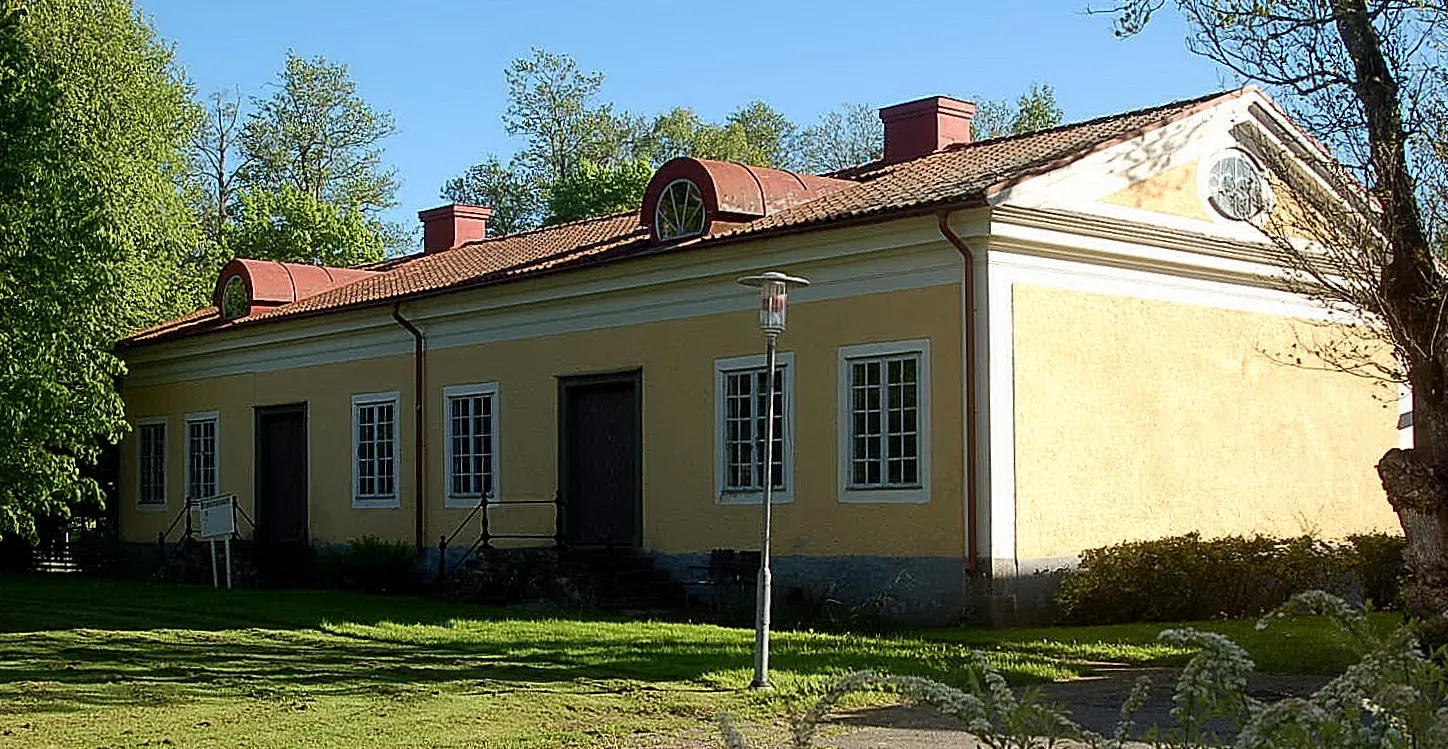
965, 174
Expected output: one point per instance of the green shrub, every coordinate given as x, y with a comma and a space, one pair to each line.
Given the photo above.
1377, 563
370, 564
1185, 578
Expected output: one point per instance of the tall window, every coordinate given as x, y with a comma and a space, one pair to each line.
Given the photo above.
374, 439
742, 395
886, 435
472, 443
151, 463
201, 455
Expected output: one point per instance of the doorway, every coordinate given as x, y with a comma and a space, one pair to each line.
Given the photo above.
281, 475
600, 469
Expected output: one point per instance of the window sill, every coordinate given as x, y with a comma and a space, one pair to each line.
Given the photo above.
466, 503
151, 507
917, 495
753, 498
375, 503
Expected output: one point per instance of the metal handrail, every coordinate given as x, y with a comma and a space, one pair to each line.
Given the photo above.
486, 536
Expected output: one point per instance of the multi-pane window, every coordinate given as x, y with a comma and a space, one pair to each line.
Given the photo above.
743, 395
200, 456
472, 442
374, 436
151, 466
884, 428
885, 421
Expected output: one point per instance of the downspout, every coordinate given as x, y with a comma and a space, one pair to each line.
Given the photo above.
972, 400
419, 355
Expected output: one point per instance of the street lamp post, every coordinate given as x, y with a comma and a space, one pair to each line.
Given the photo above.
773, 301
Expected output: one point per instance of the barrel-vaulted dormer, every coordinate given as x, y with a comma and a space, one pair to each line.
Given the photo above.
246, 287
687, 196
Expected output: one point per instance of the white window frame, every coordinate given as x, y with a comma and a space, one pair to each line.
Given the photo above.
450, 500
165, 463
723, 367
192, 418
904, 495
378, 502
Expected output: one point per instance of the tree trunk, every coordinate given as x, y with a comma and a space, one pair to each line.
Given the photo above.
1420, 498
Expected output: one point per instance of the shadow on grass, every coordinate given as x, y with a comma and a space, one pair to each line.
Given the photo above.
79, 643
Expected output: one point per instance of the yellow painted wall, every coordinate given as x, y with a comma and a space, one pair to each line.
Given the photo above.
677, 359
1173, 191
327, 390
1139, 419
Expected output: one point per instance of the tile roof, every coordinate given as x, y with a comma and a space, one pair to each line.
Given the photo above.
964, 174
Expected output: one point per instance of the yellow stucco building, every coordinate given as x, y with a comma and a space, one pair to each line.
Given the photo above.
1011, 350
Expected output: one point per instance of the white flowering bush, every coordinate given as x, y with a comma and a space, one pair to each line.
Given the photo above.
1393, 698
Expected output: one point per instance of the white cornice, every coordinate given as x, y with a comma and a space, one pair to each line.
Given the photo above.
889, 256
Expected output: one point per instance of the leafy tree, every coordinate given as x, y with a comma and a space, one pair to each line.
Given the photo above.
94, 117
552, 104
317, 135
1368, 79
1033, 110
1036, 109
849, 135
291, 225
766, 133
555, 107
598, 191
505, 188
755, 134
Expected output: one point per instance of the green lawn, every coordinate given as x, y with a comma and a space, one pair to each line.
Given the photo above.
109, 664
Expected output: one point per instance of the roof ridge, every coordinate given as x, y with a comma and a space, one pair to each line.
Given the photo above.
547, 227
873, 169
1094, 120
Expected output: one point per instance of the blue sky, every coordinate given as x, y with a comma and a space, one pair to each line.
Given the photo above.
437, 65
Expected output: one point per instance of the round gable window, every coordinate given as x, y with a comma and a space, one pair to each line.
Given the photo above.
234, 300
680, 212
1236, 187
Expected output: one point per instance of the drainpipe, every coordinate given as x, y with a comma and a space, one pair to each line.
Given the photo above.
972, 404
419, 354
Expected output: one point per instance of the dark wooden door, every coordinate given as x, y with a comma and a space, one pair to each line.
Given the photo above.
600, 460
281, 475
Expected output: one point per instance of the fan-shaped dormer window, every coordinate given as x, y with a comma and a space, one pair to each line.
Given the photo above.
680, 212
235, 302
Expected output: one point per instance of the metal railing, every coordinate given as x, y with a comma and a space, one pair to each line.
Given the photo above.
486, 536
188, 506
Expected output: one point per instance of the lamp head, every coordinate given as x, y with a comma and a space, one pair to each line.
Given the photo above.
773, 298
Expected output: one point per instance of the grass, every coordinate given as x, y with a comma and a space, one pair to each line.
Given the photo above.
87, 663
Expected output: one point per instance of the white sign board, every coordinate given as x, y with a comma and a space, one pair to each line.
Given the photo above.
217, 517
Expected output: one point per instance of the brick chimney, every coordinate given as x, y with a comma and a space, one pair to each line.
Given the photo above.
924, 126
449, 226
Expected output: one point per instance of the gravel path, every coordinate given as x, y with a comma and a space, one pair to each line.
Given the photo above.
1095, 702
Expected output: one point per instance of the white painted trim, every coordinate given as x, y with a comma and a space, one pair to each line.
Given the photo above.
903, 254
924, 402
450, 500
187, 421
379, 502
785, 361
165, 423
980, 472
